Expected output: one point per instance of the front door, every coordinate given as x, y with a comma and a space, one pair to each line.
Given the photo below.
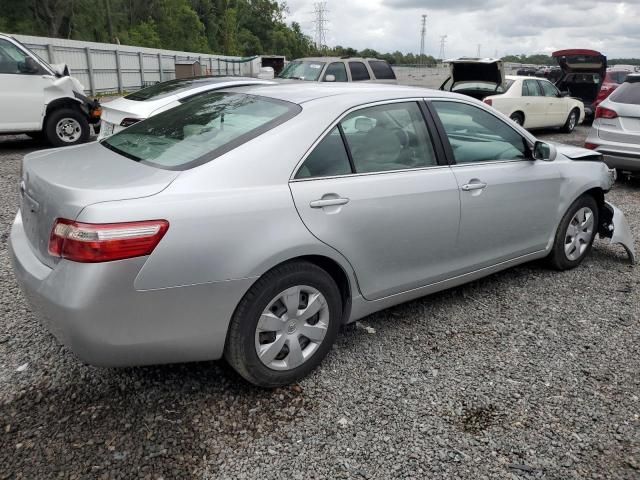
556, 105
373, 190
21, 91
506, 197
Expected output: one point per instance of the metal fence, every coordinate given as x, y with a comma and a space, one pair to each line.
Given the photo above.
109, 68
421, 75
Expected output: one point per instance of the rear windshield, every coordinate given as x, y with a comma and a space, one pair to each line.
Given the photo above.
200, 130
303, 70
171, 87
627, 93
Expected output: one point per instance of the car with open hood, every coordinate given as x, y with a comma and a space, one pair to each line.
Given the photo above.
583, 72
475, 77
42, 100
251, 223
122, 112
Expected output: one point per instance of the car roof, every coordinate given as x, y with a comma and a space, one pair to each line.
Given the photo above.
335, 59
524, 77
349, 93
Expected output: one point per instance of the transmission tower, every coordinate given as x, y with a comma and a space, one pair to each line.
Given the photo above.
443, 41
479, 50
320, 11
423, 32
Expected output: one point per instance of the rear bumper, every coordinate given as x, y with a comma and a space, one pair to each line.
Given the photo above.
625, 156
95, 310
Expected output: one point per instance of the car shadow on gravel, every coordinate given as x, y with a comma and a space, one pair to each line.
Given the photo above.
143, 421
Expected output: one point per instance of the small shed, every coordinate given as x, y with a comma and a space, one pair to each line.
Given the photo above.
188, 69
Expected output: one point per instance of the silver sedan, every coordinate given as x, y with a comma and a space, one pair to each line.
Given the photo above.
251, 223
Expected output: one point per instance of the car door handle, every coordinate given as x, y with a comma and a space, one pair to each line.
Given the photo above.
328, 202
473, 186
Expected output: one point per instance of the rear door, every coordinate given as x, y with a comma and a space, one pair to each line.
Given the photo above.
376, 189
507, 199
534, 103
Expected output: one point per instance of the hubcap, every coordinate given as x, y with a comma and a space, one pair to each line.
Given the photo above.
516, 120
579, 234
292, 327
572, 121
68, 130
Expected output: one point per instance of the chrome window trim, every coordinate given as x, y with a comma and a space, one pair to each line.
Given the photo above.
333, 124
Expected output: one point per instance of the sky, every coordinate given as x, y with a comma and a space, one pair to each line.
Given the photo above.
499, 26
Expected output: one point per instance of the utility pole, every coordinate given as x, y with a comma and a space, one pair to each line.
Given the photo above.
320, 37
423, 32
443, 41
479, 49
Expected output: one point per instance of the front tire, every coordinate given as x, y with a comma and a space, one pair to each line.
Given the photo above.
572, 121
66, 126
575, 234
284, 325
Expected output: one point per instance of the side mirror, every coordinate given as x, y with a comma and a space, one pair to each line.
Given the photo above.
564, 93
29, 66
541, 151
329, 78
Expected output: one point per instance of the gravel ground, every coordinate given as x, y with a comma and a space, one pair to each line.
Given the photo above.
526, 374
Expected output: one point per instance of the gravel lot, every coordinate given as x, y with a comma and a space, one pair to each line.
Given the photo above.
526, 374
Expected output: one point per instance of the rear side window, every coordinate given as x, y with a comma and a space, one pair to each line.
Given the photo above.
338, 70
388, 137
358, 71
530, 88
627, 93
328, 159
200, 130
382, 70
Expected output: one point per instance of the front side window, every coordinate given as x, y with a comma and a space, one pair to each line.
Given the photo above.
303, 70
199, 130
548, 89
530, 88
338, 70
12, 59
477, 136
359, 71
388, 137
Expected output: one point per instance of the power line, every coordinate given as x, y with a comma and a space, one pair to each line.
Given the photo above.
320, 11
443, 41
423, 32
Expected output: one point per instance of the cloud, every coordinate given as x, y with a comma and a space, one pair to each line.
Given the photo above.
501, 26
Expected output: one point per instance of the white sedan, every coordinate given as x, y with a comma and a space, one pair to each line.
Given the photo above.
123, 112
537, 103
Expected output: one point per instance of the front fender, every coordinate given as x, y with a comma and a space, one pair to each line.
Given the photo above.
614, 226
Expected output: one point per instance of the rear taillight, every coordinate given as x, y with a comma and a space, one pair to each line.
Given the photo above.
602, 112
127, 122
488, 101
590, 146
104, 242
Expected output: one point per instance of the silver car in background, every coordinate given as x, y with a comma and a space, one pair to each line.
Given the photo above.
616, 128
253, 222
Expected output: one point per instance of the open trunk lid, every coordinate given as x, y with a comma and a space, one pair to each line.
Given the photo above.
486, 70
581, 61
59, 183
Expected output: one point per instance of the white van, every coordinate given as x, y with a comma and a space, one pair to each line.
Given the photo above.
42, 100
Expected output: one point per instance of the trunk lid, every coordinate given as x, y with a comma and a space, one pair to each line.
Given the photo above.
59, 183
485, 70
581, 61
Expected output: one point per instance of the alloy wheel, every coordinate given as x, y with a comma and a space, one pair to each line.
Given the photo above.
291, 327
579, 234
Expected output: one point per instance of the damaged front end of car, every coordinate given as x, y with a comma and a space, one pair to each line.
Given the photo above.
614, 226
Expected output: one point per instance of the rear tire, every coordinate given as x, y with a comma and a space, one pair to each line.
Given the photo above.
572, 121
66, 126
518, 118
266, 343
575, 234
